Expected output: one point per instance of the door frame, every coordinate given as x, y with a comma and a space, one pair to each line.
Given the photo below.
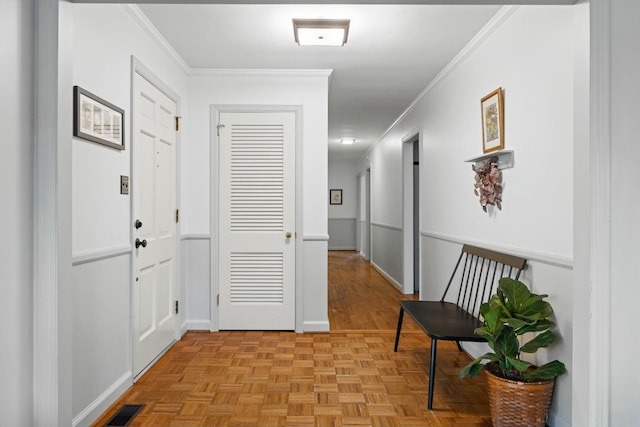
214, 193
408, 214
363, 244
137, 67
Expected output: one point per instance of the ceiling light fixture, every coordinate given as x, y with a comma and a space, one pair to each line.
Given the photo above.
321, 32
347, 141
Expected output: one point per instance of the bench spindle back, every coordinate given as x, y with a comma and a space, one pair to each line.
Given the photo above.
481, 271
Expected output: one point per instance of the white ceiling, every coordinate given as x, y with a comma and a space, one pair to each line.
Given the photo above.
392, 54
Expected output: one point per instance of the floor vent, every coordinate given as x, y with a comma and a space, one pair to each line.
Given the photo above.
124, 416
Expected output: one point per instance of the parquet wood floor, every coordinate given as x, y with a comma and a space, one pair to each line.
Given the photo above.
347, 377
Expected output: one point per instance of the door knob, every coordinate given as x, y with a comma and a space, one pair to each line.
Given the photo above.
288, 235
137, 224
142, 243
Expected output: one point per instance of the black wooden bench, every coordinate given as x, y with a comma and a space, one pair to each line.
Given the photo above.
476, 280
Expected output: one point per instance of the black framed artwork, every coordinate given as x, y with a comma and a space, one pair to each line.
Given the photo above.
335, 197
97, 120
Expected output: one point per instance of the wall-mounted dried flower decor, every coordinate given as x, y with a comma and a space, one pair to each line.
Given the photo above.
488, 184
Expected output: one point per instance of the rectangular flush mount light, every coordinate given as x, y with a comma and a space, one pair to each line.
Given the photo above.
321, 32
347, 141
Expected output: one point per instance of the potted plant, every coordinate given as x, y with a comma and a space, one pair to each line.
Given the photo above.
519, 392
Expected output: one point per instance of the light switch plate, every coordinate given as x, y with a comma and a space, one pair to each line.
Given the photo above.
124, 184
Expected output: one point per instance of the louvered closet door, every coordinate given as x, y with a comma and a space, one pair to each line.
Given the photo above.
257, 211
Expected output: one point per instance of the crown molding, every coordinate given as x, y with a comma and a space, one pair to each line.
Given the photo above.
141, 19
494, 23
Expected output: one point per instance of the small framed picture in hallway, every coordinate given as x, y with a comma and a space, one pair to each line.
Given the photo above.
97, 120
335, 197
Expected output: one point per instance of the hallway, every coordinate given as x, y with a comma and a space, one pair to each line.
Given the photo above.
347, 377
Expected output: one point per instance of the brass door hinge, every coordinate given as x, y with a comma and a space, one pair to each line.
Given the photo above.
177, 215
218, 300
178, 122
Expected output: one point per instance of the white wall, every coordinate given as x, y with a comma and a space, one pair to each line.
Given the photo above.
625, 209
342, 218
100, 212
101, 215
17, 29
386, 180
261, 88
536, 73
534, 128
531, 55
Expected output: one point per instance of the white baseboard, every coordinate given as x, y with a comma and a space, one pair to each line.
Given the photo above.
316, 326
183, 328
198, 325
393, 281
102, 402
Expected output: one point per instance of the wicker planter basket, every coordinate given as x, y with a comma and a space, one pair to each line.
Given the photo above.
518, 404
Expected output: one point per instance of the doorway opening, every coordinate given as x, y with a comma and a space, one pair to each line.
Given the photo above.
411, 214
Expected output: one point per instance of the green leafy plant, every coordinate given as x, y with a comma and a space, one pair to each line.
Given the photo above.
511, 312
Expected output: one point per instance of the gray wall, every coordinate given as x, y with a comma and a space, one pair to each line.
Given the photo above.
624, 292
386, 251
196, 282
342, 234
100, 285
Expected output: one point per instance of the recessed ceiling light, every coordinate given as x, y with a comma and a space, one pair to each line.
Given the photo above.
347, 141
321, 32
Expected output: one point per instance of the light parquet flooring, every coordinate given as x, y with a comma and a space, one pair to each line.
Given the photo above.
360, 298
347, 377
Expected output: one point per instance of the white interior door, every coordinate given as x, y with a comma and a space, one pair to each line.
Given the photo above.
153, 189
257, 221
